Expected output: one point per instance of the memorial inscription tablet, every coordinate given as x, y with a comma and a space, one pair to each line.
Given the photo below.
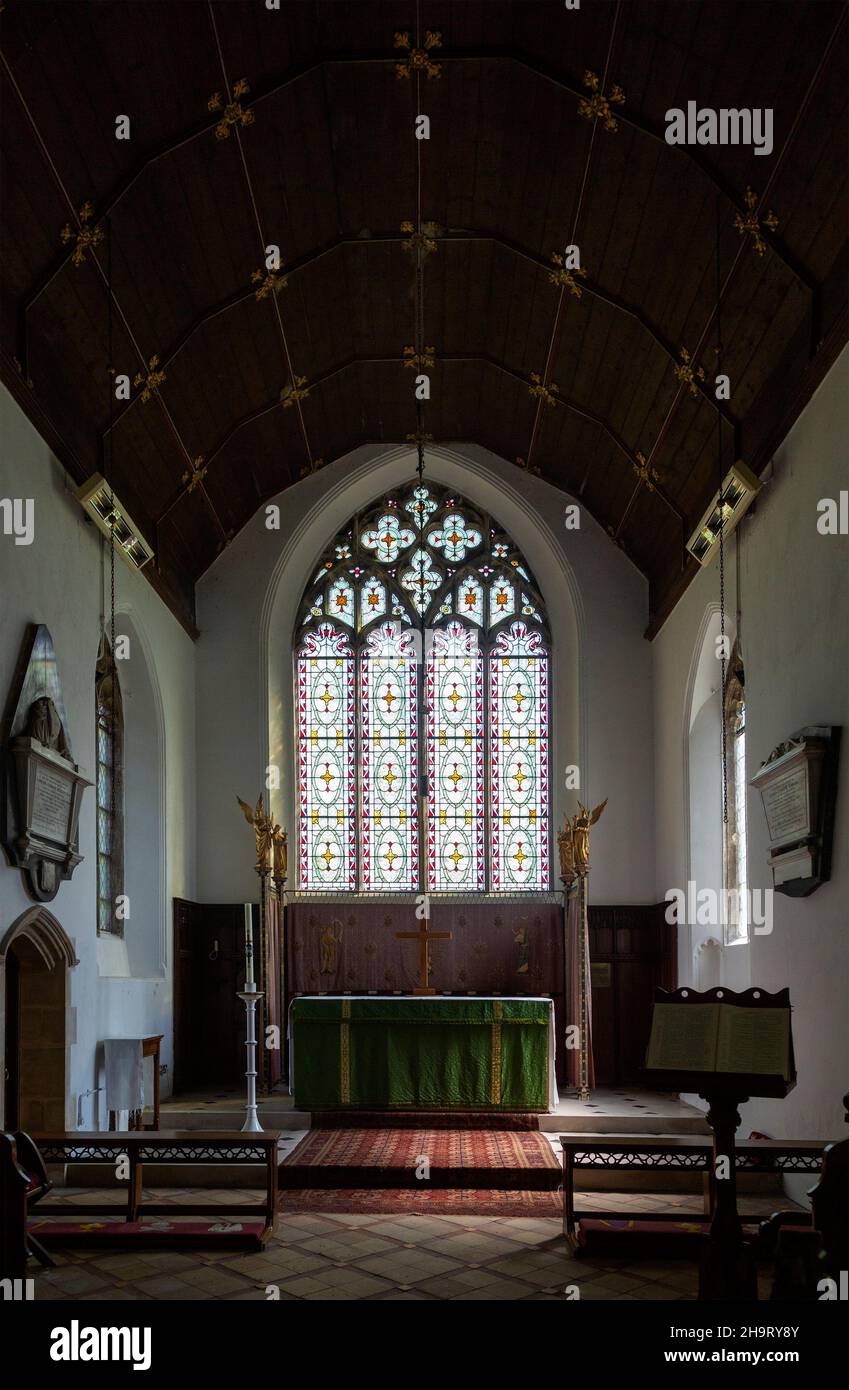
42, 785
52, 799
797, 785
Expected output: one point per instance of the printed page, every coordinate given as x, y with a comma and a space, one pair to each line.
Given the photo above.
754, 1040
683, 1037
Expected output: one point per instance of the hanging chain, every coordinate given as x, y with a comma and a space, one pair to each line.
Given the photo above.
113, 677
722, 658
418, 340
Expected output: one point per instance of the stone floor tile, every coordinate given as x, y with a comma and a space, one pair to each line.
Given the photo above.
347, 1245
408, 1266
168, 1286
217, 1283
503, 1289
472, 1246
74, 1280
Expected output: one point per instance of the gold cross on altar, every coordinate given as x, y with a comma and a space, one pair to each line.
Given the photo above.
424, 937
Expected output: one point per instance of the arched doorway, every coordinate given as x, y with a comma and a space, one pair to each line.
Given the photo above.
36, 1025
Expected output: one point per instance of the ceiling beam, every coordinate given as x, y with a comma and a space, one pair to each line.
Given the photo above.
563, 82
395, 360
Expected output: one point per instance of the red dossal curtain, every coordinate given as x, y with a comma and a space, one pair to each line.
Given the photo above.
506, 948
272, 975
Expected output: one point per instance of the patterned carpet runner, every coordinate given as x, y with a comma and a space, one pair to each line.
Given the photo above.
491, 1159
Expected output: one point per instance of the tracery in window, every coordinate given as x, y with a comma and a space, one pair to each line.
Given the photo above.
428, 778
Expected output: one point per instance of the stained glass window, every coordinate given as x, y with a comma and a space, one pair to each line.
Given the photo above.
110, 756
389, 735
502, 600
456, 804
518, 703
326, 769
735, 855
414, 781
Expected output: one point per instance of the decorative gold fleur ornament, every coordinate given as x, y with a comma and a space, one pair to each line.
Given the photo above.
752, 224
423, 241
546, 392
418, 59
596, 107
149, 380
686, 374
86, 237
566, 278
233, 112
647, 475
419, 438
425, 358
292, 392
195, 473
268, 282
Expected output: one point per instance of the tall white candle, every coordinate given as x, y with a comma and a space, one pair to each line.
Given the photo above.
249, 948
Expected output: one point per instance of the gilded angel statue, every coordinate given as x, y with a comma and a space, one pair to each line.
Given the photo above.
573, 841
581, 834
263, 830
280, 851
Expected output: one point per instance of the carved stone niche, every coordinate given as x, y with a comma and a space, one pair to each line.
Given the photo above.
43, 787
798, 788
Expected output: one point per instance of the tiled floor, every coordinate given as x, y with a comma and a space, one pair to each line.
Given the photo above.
322, 1256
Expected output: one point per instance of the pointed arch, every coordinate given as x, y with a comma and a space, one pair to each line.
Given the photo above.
46, 933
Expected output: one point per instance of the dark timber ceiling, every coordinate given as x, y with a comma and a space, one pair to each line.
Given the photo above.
328, 170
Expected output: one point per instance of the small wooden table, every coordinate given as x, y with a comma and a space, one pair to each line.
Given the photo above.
150, 1048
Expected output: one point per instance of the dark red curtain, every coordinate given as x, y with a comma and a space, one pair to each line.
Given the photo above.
577, 934
510, 948
272, 1000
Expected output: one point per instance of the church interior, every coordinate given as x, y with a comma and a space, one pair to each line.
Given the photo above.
424, 649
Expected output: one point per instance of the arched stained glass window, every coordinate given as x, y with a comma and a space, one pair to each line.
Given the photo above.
422, 706
109, 708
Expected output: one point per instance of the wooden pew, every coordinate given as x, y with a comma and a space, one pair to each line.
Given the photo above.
174, 1147
672, 1153
14, 1182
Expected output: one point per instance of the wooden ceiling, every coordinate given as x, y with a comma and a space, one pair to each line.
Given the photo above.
328, 169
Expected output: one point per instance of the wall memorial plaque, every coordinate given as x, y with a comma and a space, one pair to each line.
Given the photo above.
42, 785
798, 787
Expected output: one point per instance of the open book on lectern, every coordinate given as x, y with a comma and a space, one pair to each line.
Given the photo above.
708, 1034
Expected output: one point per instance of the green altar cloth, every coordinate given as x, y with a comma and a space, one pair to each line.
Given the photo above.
421, 1053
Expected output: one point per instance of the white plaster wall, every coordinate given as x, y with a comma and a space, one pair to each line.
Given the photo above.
597, 605
794, 632
58, 580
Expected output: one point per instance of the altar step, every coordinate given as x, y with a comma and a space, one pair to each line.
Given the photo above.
623, 1111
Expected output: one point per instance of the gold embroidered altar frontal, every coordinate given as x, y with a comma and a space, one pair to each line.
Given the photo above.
422, 1053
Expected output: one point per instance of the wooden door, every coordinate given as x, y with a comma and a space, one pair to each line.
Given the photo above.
209, 1017
632, 951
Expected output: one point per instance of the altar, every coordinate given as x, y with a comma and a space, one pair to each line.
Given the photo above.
422, 1053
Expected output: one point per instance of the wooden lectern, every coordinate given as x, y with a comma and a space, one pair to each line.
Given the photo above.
699, 1052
